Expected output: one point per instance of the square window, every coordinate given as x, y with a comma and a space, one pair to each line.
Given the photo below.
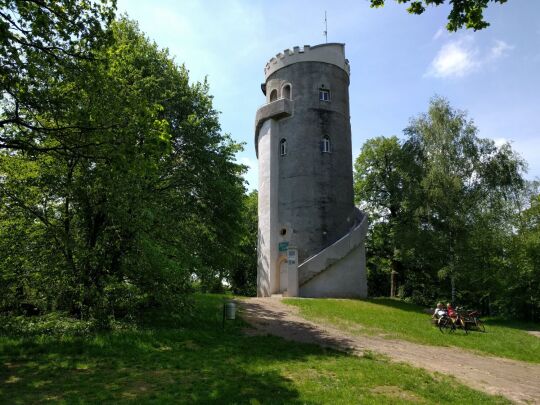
324, 95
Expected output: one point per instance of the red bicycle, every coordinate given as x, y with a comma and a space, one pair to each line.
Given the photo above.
472, 320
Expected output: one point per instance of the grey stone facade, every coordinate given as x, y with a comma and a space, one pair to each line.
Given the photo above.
306, 186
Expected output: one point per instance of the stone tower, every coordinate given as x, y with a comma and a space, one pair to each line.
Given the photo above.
311, 236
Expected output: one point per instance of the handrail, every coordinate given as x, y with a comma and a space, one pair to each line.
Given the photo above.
321, 261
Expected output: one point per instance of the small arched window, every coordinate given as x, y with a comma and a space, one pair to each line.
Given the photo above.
286, 92
283, 147
273, 95
326, 146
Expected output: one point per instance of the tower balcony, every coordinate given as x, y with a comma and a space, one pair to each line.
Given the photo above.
276, 110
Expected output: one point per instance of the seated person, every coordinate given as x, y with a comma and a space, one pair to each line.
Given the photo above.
439, 311
451, 312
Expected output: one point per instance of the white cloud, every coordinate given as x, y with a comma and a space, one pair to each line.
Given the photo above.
455, 59
461, 57
500, 49
440, 32
500, 142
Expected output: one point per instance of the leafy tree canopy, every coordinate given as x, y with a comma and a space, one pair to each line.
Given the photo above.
39, 42
118, 187
243, 274
445, 205
468, 13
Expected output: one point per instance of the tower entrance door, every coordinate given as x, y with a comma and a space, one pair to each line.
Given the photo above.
282, 275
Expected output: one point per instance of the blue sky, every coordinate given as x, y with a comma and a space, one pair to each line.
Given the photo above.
398, 62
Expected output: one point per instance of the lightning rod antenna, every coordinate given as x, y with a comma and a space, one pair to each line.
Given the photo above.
325, 32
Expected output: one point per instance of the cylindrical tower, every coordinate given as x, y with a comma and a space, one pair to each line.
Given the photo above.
303, 141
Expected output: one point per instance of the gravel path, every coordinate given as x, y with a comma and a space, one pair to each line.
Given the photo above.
517, 381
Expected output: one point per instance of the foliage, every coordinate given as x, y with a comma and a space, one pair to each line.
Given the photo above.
243, 275
519, 282
127, 190
468, 13
199, 362
385, 181
396, 319
467, 188
39, 43
52, 324
442, 203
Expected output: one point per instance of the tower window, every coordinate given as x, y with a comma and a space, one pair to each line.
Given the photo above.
273, 95
326, 146
324, 95
283, 147
286, 92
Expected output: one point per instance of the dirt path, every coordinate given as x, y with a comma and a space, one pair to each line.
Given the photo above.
517, 381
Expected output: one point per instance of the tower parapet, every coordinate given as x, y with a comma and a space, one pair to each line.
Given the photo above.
333, 53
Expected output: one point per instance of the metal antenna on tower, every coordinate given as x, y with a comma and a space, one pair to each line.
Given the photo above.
325, 32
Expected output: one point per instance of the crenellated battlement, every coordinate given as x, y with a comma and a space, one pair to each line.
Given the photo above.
333, 53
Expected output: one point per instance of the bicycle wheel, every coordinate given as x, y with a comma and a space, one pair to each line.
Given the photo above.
445, 325
480, 325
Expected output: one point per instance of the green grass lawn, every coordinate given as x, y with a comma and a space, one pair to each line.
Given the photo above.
200, 363
397, 319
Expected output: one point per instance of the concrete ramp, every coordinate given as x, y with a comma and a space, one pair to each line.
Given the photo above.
338, 270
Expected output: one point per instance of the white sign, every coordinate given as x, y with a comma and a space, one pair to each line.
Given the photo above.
292, 270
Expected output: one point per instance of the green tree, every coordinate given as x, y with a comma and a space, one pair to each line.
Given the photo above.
385, 182
443, 203
519, 293
466, 183
468, 13
39, 43
133, 193
243, 276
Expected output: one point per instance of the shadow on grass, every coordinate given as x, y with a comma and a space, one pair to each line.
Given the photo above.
197, 363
